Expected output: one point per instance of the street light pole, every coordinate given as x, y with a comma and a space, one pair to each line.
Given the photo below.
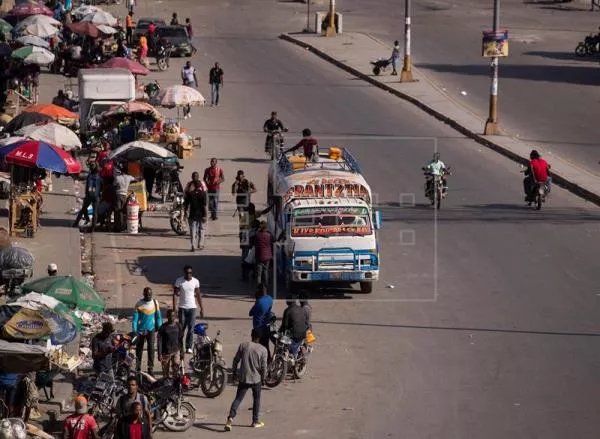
406, 73
491, 125
331, 32
307, 15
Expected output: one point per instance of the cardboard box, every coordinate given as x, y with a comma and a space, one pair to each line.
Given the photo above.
139, 188
184, 152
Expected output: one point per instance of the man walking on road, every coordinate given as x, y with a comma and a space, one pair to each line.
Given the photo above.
190, 31
260, 313
251, 357
93, 190
169, 345
129, 28
187, 288
216, 83
213, 177
145, 322
263, 250
194, 207
188, 76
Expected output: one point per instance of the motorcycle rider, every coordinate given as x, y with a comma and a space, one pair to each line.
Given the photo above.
538, 172
270, 125
433, 168
294, 320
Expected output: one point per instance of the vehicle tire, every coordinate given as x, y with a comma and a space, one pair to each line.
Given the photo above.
178, 227
301, 366
581, 50
161, 63
214, 388
181, 421
276, 372
376, 70
366, 287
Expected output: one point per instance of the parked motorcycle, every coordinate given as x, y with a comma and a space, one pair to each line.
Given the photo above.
163, 54
177, 215
104, 395
275, 143
168, 182
435, 187
589, 46
207, 362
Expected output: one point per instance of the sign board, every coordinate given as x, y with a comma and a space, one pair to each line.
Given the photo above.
328, 188
330, 230
494, 44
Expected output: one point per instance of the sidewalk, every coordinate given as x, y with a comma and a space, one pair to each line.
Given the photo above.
352, 52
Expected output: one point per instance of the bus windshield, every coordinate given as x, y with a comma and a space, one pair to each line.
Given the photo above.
331, 221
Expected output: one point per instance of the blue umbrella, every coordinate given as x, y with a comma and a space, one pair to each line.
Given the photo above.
32, 40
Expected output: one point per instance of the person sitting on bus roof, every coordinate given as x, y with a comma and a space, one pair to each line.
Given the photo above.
308, 143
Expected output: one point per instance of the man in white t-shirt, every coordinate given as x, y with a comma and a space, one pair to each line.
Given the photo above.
187, 288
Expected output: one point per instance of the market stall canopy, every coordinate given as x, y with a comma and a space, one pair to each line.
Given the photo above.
32, 40
134, 108
86, 28
53, 133
178, 96
108, 30
68, 290
34, 153
54, 111
123, 63
41, 30
36, 19
24, 119
139, 150
22, 358
27, 9
101, 17
33, 55
35, 316
83, 10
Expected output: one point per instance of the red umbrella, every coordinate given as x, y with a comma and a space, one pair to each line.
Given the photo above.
123, 63
85, 28
35, 153
27, 9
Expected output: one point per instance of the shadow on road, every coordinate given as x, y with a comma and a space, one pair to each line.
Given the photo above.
548, 73
563, 56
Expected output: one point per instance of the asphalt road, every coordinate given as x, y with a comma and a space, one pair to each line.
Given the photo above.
547, 96
491, 328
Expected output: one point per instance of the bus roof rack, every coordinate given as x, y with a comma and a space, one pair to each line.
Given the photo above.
345, 162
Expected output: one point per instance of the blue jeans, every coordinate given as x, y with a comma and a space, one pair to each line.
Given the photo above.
197, 232
215, 88
187, 318
213, 202
295, 347
239, 397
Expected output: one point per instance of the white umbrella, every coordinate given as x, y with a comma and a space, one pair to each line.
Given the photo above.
179, 96
139, 149
107, 30
41, 57
10, 140
101, 17
53, 133
41, 30
32, 40
83, 10
36, 19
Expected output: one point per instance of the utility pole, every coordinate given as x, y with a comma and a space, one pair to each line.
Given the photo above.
406, 73
491, 126
307, 16
331, 32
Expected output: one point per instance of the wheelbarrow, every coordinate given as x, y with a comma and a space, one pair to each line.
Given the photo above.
380, 65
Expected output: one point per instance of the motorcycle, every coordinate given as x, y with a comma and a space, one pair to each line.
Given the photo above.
589, 46
123, 357
168, 183
163, 54
104, 395
540, 192
435, 187
207, 361
275, 143
177, 214
152, 89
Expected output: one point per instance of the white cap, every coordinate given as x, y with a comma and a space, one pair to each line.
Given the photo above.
52, 267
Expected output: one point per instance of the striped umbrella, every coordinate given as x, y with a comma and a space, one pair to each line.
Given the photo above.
34, 153
179, 96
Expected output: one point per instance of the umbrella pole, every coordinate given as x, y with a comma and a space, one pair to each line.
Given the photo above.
12, 204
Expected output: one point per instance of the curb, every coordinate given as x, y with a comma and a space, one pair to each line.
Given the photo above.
556, 179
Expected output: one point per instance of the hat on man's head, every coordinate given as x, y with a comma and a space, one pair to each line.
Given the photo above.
52, 267
81, 405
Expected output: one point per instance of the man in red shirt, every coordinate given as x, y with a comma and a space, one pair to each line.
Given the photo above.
537, 172
80, 425
213, 177
133, 426
308, 144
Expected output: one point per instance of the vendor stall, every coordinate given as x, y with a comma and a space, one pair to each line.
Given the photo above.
25, 201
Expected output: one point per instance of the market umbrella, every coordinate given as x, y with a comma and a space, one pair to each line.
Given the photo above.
22, 358
83, 10
37, 19
5, 26
54, 111
85, 28
35, 153
9, 140
26, 118
33, 55
123, 63
27, 9
105, 29
35, 316
5, 50
101, 17
178, 96
68, 290
138, 150
42, 30
53, 133
32, 40
133, 108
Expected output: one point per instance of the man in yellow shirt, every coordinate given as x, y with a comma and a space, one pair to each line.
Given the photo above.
129, 28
